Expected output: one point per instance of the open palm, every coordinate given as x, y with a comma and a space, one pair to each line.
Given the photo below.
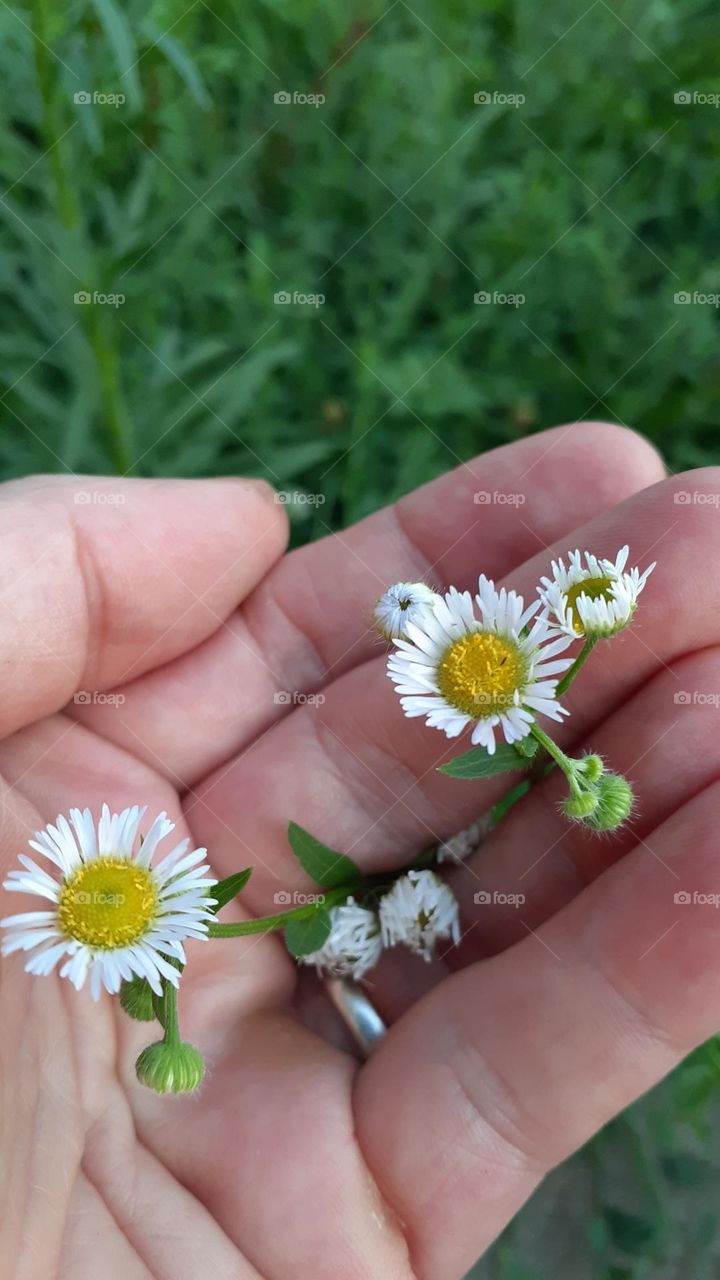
502, 1057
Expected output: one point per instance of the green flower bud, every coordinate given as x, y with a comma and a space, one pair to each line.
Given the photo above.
579, 808
592, 767
615, 803
170, 1068
136, 998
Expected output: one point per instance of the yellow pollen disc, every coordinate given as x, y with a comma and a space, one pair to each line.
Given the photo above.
592, 587
480, 673
108, 903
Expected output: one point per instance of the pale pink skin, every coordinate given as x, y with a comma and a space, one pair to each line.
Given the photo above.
295, 1159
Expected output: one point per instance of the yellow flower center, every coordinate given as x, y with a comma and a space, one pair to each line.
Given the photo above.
480, 673
592, 587
108, 903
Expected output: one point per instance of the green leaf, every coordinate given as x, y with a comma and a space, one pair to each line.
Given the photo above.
304, 936
225, 890
324, 865
476, 763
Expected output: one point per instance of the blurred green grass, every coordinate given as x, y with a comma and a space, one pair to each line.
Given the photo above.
201, 197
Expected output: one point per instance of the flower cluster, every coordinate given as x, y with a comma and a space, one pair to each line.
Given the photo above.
119, 919
492, 665
418, 911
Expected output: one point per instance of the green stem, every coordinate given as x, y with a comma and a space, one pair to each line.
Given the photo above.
562, 761
572, 671
266, 924
170, 1018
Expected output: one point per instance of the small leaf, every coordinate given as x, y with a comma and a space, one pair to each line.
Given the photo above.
476, 763
325, 866
304, 936
527, 747
225, 890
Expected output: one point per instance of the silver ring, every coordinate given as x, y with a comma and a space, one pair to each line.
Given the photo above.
357, 1012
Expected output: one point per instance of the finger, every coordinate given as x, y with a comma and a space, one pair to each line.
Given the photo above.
310, 620
511, 1065
664, 739
363, 778
103, 581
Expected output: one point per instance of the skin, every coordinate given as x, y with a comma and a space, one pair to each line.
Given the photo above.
502, 1058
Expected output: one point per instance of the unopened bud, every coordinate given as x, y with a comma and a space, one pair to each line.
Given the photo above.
614, 804
170, 1068
580, 807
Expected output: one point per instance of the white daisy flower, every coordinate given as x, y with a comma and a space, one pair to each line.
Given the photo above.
457, 669
404, 602
113, 915
353, 945
419, 910
592, 597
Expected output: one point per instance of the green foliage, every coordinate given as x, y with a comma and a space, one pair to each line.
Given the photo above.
305, 935
225, 890
399, 198
476, 763
324, 865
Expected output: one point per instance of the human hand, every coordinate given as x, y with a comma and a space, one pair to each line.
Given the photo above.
293, 1155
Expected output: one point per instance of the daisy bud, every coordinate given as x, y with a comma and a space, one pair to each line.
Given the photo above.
592, 768
578, 808
614, 804
402, 603
170, 1068
353, 945
419, 910
136, 998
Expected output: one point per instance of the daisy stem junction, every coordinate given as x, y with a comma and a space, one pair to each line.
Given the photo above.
568, 766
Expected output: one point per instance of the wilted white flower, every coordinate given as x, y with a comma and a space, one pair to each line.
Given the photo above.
112, 914
457, 669
353, 945
419, 910
592, 597
459, 847
404, 602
